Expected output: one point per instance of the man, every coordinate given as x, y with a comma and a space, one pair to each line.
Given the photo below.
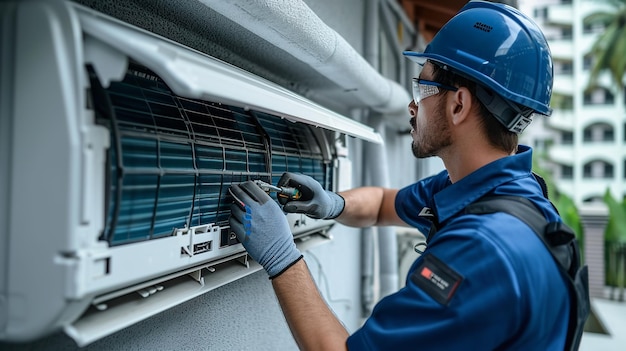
484, 282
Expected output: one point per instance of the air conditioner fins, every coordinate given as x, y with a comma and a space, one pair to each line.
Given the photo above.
172, 159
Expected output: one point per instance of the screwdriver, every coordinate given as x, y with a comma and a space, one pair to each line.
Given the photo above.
282, 191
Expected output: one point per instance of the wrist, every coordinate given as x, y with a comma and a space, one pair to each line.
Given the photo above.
280, 257
271, 277
338, 204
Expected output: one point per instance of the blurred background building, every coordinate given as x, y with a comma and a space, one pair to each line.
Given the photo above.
583, 143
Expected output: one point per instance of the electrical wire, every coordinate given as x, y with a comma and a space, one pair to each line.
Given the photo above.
322, 276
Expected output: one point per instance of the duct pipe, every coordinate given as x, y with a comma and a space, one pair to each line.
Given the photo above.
395, 6
389, 30
380, 243
378, 170
369, 249
293, 27
367, 235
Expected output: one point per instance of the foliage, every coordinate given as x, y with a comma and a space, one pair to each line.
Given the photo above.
615, 243
608, 50
561, 101
616, 227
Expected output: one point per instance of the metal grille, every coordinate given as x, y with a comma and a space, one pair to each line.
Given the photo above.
293, 149
172, 159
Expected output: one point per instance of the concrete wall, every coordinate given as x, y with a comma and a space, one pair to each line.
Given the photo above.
594, 225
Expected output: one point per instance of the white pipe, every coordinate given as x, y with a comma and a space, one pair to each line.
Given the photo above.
293, 27
389, 30
395, 6
387, 240
369, 248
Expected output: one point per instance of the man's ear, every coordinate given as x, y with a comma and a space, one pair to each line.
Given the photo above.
460, 106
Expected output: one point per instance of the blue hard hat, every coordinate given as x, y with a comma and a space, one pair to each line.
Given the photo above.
498, 47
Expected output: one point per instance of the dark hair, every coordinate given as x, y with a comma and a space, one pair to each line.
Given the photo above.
497, 134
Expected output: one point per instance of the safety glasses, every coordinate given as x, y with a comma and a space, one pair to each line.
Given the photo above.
424, 88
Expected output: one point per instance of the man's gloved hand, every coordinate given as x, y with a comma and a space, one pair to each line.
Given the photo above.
315, 202
262, 228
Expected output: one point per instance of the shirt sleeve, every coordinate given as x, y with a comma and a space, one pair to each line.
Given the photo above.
412, 200
484, 307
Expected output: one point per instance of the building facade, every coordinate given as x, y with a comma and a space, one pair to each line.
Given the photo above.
583, 143
585, 137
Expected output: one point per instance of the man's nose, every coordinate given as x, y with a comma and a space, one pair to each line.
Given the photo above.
412, 109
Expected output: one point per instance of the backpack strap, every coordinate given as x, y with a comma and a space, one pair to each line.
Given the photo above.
561, 242
556, 236
542, 183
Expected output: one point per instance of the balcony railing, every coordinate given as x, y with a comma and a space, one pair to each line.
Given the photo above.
561, 48
563, 83
562, 119
560, 14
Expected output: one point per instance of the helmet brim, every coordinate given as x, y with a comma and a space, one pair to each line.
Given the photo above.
470, 73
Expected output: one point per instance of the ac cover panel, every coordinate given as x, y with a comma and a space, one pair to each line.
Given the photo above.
123, 145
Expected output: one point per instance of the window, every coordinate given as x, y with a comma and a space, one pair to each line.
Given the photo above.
598, 170
567, 138
591, 28
567, 172
607, 135
588, 61
598, 96
563, 67
566, 33
594, 199
598, 132
541, 12
608, 170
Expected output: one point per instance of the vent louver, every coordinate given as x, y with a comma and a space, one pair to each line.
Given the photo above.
172, 159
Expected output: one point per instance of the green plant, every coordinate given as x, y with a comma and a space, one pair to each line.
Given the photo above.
615, 244
608, 50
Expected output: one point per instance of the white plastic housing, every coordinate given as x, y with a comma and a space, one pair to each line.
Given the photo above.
57, 268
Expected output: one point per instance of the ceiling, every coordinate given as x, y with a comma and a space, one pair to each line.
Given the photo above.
429, 16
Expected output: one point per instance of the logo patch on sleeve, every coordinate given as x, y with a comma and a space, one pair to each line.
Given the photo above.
437, 279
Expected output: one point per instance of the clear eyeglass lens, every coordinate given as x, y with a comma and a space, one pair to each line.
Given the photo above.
422, 91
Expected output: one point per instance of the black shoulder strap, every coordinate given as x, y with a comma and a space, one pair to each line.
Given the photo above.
542, 183
556, 236
561, 242
516, 206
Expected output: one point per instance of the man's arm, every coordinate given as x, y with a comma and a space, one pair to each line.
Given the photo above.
369, 206
360, 207
262, 228
313, 325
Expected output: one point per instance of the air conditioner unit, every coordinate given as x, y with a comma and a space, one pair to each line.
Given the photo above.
117, 148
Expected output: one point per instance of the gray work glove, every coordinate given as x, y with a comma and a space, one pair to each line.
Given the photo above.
314, 201
262, 228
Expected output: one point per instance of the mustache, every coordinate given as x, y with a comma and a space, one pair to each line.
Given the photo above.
412, 122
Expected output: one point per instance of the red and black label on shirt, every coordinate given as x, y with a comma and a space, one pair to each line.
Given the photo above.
437, 279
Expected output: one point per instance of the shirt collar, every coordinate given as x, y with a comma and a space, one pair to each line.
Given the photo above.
455, 197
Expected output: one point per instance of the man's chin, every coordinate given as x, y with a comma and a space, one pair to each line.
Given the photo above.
420, 152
